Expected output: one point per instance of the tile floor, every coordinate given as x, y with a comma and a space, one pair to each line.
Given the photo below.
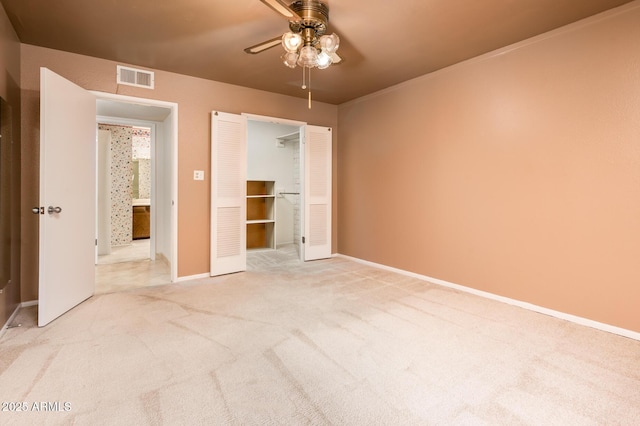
137, 250
129, 267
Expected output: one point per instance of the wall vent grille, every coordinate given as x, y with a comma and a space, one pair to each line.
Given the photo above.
135, 77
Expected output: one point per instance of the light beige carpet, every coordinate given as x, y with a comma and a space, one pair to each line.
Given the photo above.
325, 342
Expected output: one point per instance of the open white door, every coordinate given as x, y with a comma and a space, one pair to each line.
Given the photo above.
317, 193
67, 196
228, 193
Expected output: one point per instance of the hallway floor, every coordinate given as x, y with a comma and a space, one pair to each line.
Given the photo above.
137, 250
129, 267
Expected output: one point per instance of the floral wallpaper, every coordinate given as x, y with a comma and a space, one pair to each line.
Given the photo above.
141, 141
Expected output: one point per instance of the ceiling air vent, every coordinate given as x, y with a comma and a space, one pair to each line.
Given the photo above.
135, 77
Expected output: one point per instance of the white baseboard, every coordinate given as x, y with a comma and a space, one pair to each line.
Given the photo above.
192, 277
9, 321
557, 314
15, 312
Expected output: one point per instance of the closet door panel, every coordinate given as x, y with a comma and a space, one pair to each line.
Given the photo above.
317, 193
228, 193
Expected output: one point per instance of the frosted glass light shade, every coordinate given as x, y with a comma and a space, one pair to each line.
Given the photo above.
308, 57
291, 41
324, 60
290, 59
330, 43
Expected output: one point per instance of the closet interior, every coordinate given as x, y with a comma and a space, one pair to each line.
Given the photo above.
273, 186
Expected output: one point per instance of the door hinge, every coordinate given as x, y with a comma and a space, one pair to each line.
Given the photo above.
303, 240
96, 241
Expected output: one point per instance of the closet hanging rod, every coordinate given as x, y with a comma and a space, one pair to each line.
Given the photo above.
289, 193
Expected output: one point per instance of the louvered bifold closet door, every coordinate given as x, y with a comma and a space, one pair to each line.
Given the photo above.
228, 193
317, 193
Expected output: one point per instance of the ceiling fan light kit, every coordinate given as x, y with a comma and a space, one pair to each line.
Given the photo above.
306, 44
307, 38
311, 54
330, 43
291, 42
289, 59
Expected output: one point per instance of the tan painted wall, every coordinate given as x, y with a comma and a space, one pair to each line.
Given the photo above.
196, 98
9, 90
515, 173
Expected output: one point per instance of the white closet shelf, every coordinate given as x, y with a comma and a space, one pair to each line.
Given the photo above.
262, 196
289, 137
250, 222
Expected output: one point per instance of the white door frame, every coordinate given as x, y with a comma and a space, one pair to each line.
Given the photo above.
171, 141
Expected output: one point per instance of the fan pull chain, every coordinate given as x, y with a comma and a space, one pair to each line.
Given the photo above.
304, 84
309, 88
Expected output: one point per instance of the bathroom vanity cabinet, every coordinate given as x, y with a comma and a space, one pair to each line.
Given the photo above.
141, 220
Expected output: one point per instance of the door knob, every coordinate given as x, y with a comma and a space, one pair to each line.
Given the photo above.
37, 210
52, 210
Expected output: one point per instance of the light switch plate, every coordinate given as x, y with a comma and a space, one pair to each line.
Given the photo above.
198, 175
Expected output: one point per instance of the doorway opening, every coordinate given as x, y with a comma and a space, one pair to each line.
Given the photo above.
125, 191
135, 220
274, 190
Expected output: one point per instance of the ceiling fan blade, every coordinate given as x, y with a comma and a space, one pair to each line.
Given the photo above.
261, 47
283, 9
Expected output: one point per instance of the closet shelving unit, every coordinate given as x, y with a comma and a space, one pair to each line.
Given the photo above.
261, 214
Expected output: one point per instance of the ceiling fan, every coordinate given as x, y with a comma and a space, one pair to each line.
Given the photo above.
306, 44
